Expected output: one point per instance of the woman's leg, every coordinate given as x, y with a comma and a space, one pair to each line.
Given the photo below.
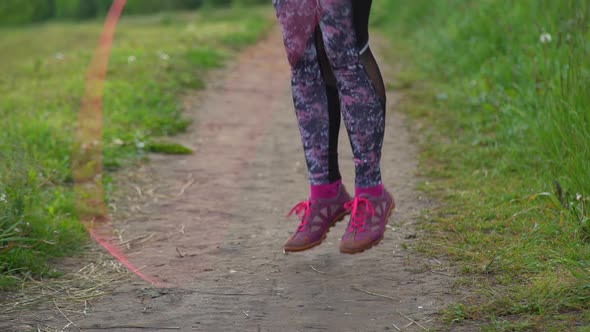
298, 19
360, 11
364, 117
360, 103
327, 201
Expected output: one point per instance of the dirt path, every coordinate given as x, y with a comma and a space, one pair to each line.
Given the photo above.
210, 226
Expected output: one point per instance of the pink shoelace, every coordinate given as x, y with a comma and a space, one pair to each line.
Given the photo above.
302, 210
360, 208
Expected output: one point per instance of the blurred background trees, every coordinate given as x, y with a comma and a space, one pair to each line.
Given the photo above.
20, 12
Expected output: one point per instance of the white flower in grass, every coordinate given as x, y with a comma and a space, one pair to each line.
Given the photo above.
3, 198
139, 144
578, 197
59, 56
163, 56
545, 38
131, 59
118, 141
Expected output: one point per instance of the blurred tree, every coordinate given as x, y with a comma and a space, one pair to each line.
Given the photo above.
43, 10
66, 8
16, 12
87, 9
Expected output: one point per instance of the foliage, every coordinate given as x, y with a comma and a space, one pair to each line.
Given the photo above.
504, 85
17, 12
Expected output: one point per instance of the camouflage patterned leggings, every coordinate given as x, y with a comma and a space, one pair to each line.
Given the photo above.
361, 107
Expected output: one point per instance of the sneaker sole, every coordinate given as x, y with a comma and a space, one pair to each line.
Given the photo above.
374, 243
317, 243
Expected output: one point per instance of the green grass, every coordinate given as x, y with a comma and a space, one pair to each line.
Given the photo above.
154, 60
506, 150
168, 148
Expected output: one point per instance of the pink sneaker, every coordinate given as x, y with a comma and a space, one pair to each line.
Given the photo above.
369, 215
317, 216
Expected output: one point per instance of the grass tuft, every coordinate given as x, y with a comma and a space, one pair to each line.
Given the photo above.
168, 148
